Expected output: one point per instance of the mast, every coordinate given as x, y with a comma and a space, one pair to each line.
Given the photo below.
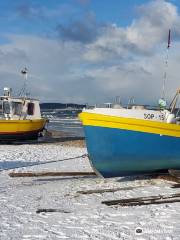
23, 90
166, 63
162, 101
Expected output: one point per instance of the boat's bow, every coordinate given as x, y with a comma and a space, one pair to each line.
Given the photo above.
125, 145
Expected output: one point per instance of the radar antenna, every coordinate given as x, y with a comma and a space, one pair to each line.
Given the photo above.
23, 92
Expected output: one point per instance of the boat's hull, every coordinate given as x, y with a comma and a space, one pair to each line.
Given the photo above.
12, 130
114, 150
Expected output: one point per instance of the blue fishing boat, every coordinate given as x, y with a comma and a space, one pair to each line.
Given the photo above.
123, 141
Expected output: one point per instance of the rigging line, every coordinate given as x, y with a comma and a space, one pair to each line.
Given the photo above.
42, 163
166, 65
165, 74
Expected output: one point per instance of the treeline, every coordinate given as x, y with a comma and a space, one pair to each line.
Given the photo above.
61, 105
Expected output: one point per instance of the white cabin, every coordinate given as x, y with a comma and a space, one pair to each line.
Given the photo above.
19, 108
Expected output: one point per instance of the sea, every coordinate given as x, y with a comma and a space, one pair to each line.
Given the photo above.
64, 120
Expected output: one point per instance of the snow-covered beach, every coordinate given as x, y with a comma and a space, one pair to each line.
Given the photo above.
78, 216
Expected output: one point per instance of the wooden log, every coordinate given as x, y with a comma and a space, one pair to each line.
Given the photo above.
159, 199
50, 210
106, 190
53, 174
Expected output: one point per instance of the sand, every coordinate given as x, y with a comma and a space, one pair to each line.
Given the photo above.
77, 216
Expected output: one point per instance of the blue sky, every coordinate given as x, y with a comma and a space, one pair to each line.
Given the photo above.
31, 16
41, 17
89, 50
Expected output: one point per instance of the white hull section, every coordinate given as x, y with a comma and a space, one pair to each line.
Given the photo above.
146, 114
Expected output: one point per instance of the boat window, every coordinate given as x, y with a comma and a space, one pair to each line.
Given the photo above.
6, 107
1, 108
30, 109
17, 108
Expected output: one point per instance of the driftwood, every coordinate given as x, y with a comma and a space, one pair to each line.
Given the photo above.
50, 210
106, 190
156, 176
144, 200
53, 174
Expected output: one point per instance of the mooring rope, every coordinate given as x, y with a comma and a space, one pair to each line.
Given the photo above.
42, 163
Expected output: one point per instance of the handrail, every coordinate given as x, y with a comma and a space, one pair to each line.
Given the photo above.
174, 101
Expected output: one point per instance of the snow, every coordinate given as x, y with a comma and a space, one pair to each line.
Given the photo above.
80, 216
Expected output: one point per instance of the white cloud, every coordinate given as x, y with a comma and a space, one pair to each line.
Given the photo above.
55, 67
120, 61
155, 20
141, 37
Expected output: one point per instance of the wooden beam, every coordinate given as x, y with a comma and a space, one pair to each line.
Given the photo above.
51, 210
159, 199
91, 191
53, 174
163, 201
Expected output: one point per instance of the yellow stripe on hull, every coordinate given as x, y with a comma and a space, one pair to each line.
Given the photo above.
18, 126
100, 120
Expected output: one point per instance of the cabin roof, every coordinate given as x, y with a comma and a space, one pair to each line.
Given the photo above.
17, 98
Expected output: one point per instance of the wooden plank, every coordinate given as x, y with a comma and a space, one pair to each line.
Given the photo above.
51, 210
103, 190
53, 174
159, 199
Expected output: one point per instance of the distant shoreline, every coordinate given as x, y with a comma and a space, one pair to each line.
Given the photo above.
52, 106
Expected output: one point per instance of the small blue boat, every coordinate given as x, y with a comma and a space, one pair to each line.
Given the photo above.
132, 141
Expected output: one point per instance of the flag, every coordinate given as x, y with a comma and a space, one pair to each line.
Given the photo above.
169, 39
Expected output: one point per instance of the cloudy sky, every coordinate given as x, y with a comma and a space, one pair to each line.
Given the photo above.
89, 51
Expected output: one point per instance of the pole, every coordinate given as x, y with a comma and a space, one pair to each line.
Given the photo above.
166, 64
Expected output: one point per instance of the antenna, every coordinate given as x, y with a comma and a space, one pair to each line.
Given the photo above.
23, 92
166, 63
162, 101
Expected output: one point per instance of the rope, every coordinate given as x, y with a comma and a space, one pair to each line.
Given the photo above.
42, 163
163, 95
